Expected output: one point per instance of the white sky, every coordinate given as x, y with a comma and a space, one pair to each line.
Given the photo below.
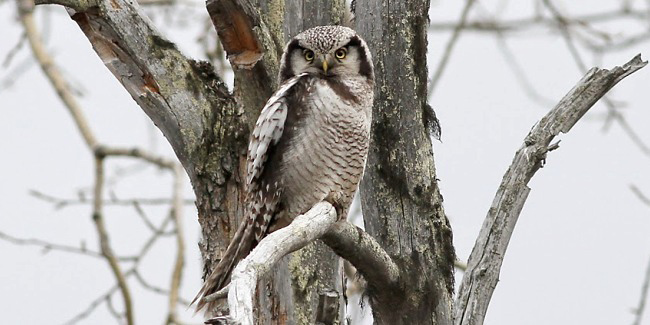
577, 256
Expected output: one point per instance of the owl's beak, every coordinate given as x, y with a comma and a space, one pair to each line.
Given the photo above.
327, 63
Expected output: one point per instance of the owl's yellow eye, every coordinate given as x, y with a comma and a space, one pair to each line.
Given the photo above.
309, 55
340, 53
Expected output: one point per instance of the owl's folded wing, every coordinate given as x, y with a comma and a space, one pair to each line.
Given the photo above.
268, 129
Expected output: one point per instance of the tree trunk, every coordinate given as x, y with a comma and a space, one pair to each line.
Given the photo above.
402, 205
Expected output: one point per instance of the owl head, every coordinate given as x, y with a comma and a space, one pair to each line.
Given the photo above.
328, 52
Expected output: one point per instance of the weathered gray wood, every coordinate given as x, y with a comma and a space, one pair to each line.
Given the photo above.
484, 263
363, 251
303, 230
402, 205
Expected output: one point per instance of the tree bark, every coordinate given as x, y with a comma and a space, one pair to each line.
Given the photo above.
402, 205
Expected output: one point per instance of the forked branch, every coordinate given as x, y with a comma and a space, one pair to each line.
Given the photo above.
485, 261
302, 231
347, 240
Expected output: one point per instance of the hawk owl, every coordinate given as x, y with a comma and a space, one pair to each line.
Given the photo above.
310, 141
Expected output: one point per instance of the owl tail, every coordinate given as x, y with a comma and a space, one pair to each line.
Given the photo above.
240, 245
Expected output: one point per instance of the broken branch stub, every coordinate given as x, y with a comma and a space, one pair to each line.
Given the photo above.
235, 26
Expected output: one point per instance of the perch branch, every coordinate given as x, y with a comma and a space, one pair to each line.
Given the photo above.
302, 230
345, 239
486, 258
363, 251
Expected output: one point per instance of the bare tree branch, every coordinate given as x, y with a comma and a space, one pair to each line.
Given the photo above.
52, 72
303, 230
177, 216
449, 48
14, 50
613, 113
251, 47
135, 153
638, 311
105, 297
644, 199
363, 251
47, 246
104, 243
487, 256
63, 202
536, 21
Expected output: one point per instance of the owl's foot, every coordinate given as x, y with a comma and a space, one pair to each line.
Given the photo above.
341, 211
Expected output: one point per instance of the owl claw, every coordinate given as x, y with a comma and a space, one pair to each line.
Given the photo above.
340, 210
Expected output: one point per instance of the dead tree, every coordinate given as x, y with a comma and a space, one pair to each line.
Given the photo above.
406, 255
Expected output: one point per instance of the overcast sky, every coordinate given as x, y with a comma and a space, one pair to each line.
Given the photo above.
578, 253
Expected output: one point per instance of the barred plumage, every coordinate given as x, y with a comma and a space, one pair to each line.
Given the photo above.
310, 141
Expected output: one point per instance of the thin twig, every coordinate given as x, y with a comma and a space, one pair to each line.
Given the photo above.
14, 50
140, 212
520, 73
106, 249
47, 246
536, 21
111, 308
177, 216
52, 72
459, 265
644, 199
63, 202
449, 48
638, 311
92, 306
134, 153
